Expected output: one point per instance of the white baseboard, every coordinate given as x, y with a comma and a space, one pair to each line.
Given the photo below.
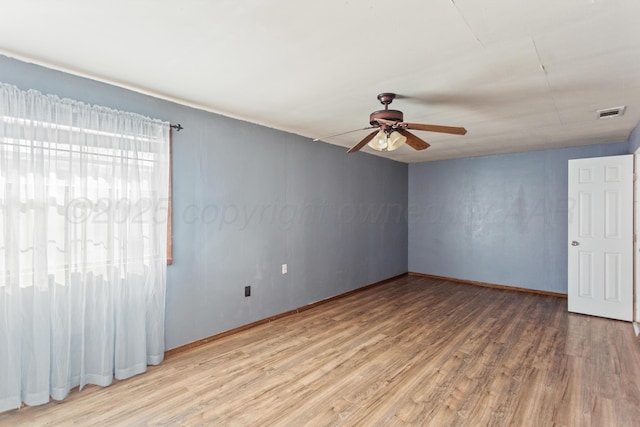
636, 328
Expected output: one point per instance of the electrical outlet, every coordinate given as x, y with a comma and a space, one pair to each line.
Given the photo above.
284, 268
247, 291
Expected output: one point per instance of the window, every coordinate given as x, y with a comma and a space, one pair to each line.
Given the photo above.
84, 205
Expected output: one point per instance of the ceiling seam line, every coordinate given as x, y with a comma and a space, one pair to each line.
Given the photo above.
546, 79
466, 23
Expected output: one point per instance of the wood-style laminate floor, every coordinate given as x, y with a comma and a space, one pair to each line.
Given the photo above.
414, 351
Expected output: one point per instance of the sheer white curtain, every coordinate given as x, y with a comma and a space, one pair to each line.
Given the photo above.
83, 222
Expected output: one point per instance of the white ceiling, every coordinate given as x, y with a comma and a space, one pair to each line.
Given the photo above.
518, 74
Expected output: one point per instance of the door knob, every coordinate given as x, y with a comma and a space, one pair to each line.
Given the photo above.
574, 243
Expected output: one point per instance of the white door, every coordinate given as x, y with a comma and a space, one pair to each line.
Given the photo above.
601, 236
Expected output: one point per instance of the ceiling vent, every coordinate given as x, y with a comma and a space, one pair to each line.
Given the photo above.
608, 113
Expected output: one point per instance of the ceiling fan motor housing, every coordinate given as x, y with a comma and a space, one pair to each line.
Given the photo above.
392, 115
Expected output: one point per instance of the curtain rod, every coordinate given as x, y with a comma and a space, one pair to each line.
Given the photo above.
177, 127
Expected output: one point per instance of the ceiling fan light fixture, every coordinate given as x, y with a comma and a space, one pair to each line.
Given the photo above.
379, 142
395, 141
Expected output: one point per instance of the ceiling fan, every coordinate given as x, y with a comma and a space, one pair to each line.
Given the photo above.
392, 132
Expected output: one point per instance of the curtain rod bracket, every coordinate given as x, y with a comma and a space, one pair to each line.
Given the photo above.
177, 127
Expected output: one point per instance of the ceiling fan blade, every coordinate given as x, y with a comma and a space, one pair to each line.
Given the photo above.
343, 133
436, 128
413, 141
362, 143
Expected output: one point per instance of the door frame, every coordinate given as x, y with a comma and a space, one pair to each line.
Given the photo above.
636, 240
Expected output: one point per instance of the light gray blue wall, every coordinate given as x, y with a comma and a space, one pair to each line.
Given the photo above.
634, 139
247, 199
497, 219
